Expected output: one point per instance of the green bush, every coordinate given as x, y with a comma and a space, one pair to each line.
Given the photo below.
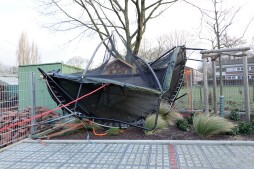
246, 128
172, 117
252, 119
149, 123
190, 119
206, 126
234, 116
93, 126
114, 131
183, 124
235, 131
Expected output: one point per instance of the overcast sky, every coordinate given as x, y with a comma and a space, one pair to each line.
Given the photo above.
21, 15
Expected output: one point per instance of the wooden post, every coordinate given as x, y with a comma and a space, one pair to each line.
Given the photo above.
205, 87
252, 91
246, 89
214, 87
200, 92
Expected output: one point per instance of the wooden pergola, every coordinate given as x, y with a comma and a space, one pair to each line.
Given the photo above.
214, 54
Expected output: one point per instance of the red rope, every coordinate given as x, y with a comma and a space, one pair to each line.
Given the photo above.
50, 111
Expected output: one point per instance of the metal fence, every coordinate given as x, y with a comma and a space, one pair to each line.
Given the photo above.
232, 92
25, 95
22, 98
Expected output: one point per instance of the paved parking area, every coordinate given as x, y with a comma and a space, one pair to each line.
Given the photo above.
128, 155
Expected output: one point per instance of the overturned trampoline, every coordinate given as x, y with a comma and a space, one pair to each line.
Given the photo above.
130, 88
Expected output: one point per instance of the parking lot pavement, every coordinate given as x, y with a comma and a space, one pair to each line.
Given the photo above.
128, 155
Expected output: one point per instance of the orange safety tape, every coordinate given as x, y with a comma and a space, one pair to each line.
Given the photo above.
50, 111
99, 134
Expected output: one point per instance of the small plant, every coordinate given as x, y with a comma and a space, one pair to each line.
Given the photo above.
92, 126
252, 119
190, 119
206, 126
235, 131
172, 117
234, 116
246, 128
114, 131
150, 121
183, 124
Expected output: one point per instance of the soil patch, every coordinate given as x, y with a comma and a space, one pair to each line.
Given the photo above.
131, 133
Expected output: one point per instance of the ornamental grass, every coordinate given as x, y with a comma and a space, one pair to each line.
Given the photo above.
150, 121
206, 126
173, 117
164, 108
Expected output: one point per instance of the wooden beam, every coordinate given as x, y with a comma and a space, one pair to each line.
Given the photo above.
246, 89
225, 50
205, 87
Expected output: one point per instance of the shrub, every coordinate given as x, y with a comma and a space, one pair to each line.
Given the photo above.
235, 131
183, 124
172, 117
246, 128
234, 116
190, 119
149, 123
93, 126
114, 131
252, 119
205, 125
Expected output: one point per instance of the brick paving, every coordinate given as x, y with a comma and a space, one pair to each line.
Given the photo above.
124, 155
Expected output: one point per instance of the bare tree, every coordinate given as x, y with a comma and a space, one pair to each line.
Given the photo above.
5, 69
216, 20
150, 51
12, 70
231, 42
23, 51
128, 18
2, 68
251, 51
34, 54
77, 61
26, 53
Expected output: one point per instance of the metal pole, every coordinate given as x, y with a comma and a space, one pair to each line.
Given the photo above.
32, 95
205, 87
246, 88
221, 90
191, 99
200, 92
214, 87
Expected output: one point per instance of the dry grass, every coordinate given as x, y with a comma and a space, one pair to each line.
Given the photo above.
172, 117
206, 126
149, 123
164, 107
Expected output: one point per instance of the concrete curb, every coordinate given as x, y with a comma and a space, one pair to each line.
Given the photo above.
189, 142
12, 145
